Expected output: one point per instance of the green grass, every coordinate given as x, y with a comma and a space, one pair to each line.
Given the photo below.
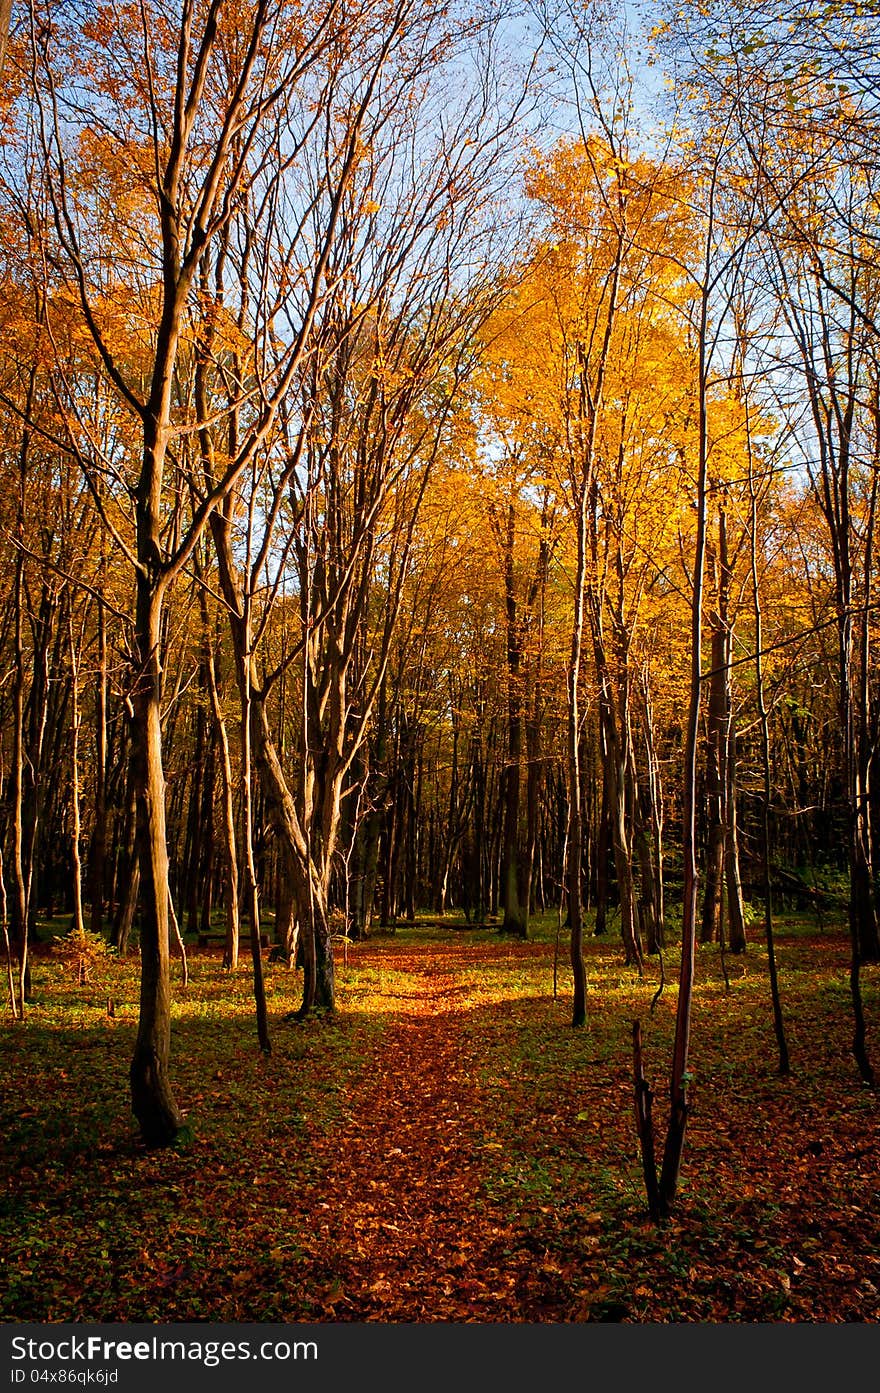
778, 1217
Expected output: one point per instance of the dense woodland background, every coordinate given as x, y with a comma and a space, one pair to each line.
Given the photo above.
440, 466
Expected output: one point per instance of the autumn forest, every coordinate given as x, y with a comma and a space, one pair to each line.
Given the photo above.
439, 712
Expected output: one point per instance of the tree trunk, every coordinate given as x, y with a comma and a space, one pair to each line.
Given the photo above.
365, 858
652, 813
230, 853
129, 871
251, 882
615, 752
286, 923
718, 720
736, 920
763, 715
40, 697
533, 804
648, 901
629, 932
195, 828
19, 917
151, 1096
516, 913
98, 845
603, 857
679, 1074
575, 793
76, 830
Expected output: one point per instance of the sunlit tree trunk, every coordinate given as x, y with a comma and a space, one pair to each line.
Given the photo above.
717, 723
252, 891
230, 852
575, 792
736, 920
534, 717
679, 1074
653, 816
767, 785
516, 911
722, 872
152, 1099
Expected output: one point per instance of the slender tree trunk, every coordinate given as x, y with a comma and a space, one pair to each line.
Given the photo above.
862, 910
181, 946
20, 897
614, 729
195, 826
623, 854
736, 919
477, 867
654, 814
227, 791
575, 806
206, 866
648, 913
286, 923
230, 852
7, 944
98, 846
535, 767
679, 1075
603, 857
366, 858
318, 982
46, 699
834, 418
76, 831
129, 873
444, 863
516, 913
869, 931
763, 716
388, 901
413, 795
717, 718
533, 807
251, 882
151, 1094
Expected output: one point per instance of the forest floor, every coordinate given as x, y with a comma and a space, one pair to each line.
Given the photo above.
445, 1148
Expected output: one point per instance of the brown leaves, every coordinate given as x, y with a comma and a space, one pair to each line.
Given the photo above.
422, 1157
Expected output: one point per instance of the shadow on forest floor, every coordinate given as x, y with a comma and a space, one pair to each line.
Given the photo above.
444, 1148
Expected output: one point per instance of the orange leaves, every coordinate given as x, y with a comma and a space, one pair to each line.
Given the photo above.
588, 370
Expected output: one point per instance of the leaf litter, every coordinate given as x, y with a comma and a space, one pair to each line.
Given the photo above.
446, 1148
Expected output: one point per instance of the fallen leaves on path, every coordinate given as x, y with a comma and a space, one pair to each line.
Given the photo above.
445, 1148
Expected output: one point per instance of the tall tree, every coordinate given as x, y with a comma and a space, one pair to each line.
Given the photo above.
197, 115
412, 275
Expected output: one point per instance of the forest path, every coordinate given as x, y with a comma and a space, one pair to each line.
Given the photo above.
444, 1148
409, 1226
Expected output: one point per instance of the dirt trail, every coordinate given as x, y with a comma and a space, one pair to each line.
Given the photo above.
408, 1226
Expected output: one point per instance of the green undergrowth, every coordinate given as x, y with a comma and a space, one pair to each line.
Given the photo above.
94, 1227
777, 1218
778, 1215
